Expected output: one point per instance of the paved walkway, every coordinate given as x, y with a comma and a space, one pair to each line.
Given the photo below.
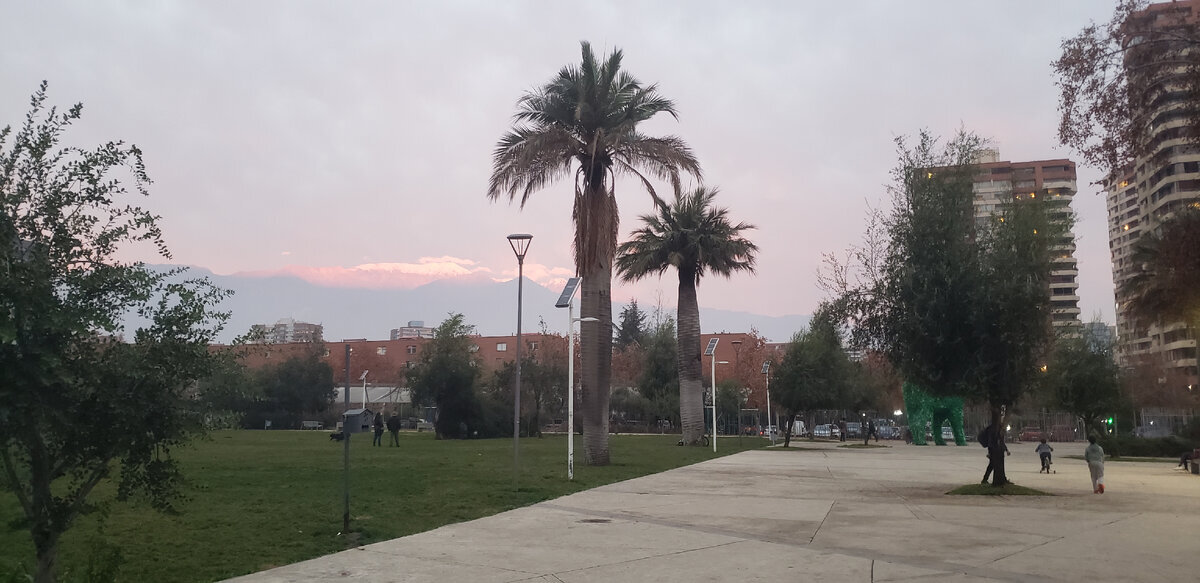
822, 514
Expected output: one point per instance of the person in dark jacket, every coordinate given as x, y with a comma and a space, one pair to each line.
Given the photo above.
393, 427
985, 439
378, 430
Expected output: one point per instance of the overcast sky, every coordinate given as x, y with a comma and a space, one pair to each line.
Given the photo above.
350, 142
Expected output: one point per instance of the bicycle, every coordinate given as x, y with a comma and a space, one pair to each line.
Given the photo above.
702, 441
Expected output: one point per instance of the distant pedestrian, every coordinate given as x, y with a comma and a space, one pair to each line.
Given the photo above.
842, 429
1043, 450
1185, 458
393, 427
1094, 455
868, 431
874, 431
378, 430
986, 438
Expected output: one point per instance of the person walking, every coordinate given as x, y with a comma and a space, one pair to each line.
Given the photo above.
1094, 455
985, 439
378, 430
393, 427
842, 429
868, 431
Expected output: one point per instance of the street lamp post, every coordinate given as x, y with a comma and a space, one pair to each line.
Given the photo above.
567, 299
766, 370
520, 245
714, 398
363, 378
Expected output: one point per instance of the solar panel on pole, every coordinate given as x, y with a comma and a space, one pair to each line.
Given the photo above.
712, 345
568, 292
766, 367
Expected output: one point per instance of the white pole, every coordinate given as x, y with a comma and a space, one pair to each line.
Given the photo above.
769, 418
714, 400
364, 391
571, 390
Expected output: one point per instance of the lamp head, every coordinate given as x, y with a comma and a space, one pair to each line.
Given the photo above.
520, 244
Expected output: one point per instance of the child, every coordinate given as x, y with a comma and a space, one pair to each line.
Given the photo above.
1094, 456
1044, 450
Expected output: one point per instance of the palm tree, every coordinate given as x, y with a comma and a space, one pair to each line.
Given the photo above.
583, 122
1167, 284
693, 237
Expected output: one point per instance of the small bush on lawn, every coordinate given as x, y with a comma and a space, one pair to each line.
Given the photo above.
990, 490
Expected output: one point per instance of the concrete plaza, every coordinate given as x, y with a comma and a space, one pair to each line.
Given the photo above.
816, 513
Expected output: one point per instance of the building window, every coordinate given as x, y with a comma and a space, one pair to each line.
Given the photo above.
533, 346
412, 349
382, 350
326, 355
501, 347
474, 348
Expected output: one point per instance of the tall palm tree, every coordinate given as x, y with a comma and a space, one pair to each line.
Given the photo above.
694, 237
1166, 286
583, 123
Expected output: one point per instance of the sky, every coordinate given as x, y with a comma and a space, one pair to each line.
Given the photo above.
350, 143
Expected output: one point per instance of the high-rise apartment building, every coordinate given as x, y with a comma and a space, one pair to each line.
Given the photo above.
287, 330
999, 182
1160, 181
414, 329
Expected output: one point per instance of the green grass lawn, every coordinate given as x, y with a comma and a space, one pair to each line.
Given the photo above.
260, 499
990, 490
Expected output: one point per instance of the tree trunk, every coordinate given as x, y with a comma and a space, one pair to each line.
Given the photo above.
596, 363
997, 451
787, 433
46, 548
688, 361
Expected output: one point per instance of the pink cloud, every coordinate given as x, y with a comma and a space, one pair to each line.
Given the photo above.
402, 275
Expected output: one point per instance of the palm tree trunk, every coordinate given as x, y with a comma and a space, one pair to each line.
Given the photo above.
596, 363
691, 392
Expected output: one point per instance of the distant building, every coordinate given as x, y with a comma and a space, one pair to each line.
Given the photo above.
414, 329
1147, 193
1100, 335
1000, 182
287, 331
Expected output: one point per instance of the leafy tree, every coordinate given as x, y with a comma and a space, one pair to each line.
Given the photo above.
1166, 285
299, 385
1113, 77
632, 329
543, 383
815, 372
74, 398
694, 237
445, 378
227, 393
729, 406
659, 381
1084, 379
959, 306
584, 123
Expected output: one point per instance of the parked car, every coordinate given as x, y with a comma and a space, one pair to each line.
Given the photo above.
822, 430
1030, 434
947, 432
768, 431
886, 429
854, 429
798, 429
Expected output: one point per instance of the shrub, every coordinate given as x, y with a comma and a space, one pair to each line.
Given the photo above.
1130, 446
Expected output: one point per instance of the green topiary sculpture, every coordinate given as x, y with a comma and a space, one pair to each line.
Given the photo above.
922, 408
